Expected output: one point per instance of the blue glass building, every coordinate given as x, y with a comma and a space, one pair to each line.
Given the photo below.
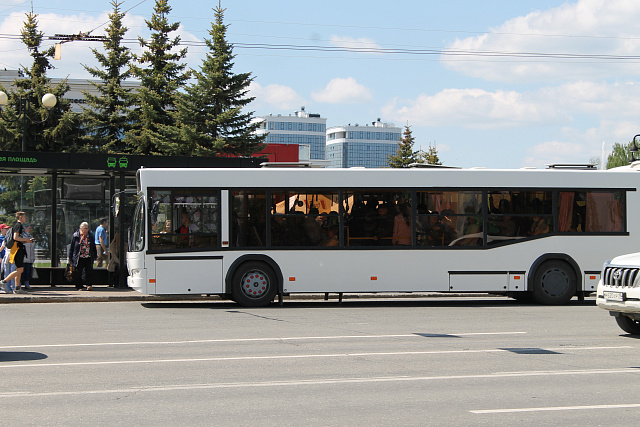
362, 146
306, 130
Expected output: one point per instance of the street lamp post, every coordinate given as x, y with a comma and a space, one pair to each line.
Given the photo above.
48, 101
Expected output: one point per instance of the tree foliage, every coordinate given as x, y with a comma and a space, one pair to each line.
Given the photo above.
107, 118
405, 155
160, 81
209, 116
53, 130
620, 155
430, 156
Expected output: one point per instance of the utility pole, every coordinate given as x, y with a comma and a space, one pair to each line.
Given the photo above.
64, 38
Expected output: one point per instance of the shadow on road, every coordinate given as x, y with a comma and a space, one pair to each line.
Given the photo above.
362, 303
633, 336
17, 356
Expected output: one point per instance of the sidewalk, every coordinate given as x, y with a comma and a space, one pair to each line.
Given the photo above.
99, 293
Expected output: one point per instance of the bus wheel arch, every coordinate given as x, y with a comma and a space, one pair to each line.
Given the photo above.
243, 277
554, 279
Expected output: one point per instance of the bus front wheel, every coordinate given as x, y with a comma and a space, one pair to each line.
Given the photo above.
254, 284
554, 283
629, 325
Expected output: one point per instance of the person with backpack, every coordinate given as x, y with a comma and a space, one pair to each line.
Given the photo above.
15, 245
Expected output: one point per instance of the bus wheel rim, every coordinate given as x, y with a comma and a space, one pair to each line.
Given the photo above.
255, 284
555, 282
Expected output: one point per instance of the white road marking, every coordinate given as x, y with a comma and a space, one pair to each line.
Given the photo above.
556, 408
296, 356
232, 340
326, 381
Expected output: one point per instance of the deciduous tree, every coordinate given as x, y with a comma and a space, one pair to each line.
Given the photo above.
620, 155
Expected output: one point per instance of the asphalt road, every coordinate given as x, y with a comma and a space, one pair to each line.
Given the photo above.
440, 362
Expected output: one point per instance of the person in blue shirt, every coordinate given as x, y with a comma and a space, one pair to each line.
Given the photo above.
102, 242
3, 230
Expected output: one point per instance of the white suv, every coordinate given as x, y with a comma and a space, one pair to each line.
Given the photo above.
619, 291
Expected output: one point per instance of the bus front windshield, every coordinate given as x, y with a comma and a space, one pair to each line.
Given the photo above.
136, 238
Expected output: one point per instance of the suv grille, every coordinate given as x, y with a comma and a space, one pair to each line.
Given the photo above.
620, 276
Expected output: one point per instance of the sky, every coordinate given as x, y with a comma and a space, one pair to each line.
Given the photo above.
495, 83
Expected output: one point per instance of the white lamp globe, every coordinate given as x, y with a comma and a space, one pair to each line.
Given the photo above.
49, 100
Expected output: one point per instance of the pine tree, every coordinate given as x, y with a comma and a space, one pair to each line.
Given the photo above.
108, 117
159, 82
58, 127
430, 156
209, 114
405, 154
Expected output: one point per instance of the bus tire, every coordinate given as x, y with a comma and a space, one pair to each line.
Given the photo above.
554, 283
629, 325
254, 284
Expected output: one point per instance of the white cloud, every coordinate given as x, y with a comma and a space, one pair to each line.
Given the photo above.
556, 152
361, 44
586, 27
606, 101
275, 96
475, 108
343, 91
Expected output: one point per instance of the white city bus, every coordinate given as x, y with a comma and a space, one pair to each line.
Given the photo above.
254, 235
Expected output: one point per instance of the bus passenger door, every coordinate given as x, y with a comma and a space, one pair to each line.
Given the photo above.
189, 275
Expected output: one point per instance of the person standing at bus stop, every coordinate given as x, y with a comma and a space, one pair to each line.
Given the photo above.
3, 230
101, 241
29, 259
17, 251
82, 253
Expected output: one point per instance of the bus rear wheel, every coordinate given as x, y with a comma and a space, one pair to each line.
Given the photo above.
254, 284
629, 325
554, 283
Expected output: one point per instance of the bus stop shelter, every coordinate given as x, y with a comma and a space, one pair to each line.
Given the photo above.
58, 191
